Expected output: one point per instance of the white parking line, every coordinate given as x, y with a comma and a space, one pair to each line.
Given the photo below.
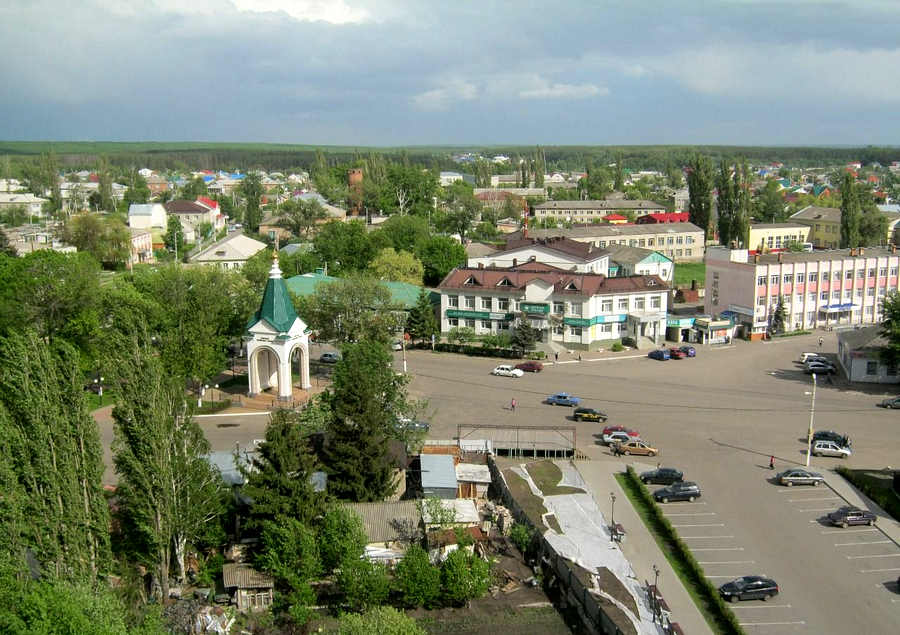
843, 531
730, 576
729, 562
721, 549
692, 537
878, 570
693, 514
817, 509
771, 623
882, 555
762, 606
809, 500
707, 525
853, 544
609, 359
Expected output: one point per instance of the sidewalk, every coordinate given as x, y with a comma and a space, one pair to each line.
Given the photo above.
639, 546
842, 487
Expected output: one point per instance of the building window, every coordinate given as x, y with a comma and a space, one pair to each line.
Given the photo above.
835, 295
893, 271
655, 302
882, 272
825, 276
800, 277
575, 331
761, 281
813, 276
559, 329
871, 368
810, 316
486, 303
870, 292
859, 293
623, 304
824, 295
503, 304
849, 274
678, 253
486, 324
649, 242
872, 272
670, 241
606, 328
453, 301
559, 307
811, 297
470, 324
453, 322
642, 243
761, 300
773, 280
870, 310
788, 278
688, 252
606, 306
891, 370
470, 301
679, 240
503, 325
575, 308
639, 304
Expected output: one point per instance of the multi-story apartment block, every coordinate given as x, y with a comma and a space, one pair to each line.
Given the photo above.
823, 288
588, 211
767, 236
825, 225
581, 311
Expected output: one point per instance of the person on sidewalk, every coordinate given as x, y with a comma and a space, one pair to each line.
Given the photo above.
821, 341
556, 356
772, 462
512, 404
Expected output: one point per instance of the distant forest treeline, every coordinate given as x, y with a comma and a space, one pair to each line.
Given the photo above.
286, 158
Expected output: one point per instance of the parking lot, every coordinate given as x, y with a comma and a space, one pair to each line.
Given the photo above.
719, 417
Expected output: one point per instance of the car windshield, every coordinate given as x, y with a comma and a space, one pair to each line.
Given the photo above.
740, 583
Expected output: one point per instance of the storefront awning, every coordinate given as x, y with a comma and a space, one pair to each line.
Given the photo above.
834, 308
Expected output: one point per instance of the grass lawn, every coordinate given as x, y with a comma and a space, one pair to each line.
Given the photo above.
547, 475
687, 271
877, 485
693, 589
530, 504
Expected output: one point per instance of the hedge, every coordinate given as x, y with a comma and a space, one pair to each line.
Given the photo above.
716, 606
883, 495
481, 351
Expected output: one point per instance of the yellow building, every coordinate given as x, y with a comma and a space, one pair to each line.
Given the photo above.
824, 225
767, 236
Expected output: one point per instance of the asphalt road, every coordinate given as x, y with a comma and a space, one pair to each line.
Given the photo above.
718, 417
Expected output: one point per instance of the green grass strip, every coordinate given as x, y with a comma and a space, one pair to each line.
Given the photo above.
706, 596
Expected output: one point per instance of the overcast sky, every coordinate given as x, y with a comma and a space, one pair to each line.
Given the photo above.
398, 72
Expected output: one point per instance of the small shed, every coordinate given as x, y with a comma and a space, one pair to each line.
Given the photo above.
465, 514
391, 526
472, 480
438, 476
253, 589
859, 352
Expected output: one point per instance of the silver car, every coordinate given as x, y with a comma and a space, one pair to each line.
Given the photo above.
799, 476
830, 448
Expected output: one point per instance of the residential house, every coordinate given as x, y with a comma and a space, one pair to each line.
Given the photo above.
615, 219
217, 218
141, 246
825, 225
33, 205
473, 480
477, 249
192, 213
578, 211
583, 311
147, 216
682, 199
637, 261
438, 475
859, 353
823, 288
463, 510
558, 251
253, 590
157, 184
768, 236
682, 242
664, 217
448, 178
229, 253
390, 526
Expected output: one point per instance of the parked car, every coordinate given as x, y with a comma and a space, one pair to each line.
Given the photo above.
819, 368
412, 424
662, 354
563, 399
619, 436
830, 448
683, 491
850, 515
505, 370
609, 429
749, 587
589, 414
330, 357
677, 353
662, 476
690, 351
799, 476
830, 435
636, 446
397, 346
530, 367
807, 357
893, 402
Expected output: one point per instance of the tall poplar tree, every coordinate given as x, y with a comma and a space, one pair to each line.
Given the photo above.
725, 203
51, 501
740, 224
850, 212
619, 184
700, 180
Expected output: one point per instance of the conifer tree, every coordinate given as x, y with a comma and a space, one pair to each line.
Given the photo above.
422, 323
850, 212
699, 192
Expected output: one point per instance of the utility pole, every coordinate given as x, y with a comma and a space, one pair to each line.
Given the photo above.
812, 416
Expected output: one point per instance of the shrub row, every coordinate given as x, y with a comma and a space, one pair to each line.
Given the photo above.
883, 496
481, 351
791, 334
716, 606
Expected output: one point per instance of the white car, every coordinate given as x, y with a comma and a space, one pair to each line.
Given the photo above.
505, 370
830, 448
617, 437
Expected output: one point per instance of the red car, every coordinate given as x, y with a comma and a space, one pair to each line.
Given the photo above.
677, 353
530, 367
611, 429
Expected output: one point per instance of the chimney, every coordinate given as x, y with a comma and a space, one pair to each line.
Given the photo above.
515, 262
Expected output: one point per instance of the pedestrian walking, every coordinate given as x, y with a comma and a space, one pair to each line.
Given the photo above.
821, 341
771, 462
556, 356
579, 357
512, 404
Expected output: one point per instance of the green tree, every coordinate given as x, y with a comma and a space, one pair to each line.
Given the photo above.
193, 189
440, 255
397, 266
850, 212
464, 577
174, 237
890, 329
138, 191
700, 180
461, 334
367, 396
779, 317
6, 248
740, 223
417, 581
384, 620
278, 476
873, 228
251, 190
350, 309
168, 491
341, 537
725, 203
422, 322
769, 204
619, 182
298, 217
343, 247
14, 215
403, 233
289, 551
525, 336
462, 208
365, 584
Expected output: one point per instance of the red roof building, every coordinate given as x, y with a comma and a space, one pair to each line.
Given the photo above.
666, 217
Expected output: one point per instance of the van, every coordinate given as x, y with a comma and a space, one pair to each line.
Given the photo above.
807, 246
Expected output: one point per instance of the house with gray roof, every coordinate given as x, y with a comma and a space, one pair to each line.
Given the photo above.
578, 211
859, 354
229, 253
438, 474
390, 526
147, 216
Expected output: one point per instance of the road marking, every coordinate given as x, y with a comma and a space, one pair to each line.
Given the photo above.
817, 509
692, 537
771, 623
853, 544
878, 570
610, 359
762, 606
843, 531
708, 525
573, 361
730, 562
721, 549
694, 514
882, 555
809, 500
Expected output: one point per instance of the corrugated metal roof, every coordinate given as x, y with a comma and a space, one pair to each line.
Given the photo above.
472, 473
243, 576
387, 521
437, 471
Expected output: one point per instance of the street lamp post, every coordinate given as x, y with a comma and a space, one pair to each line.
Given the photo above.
99, 382
655, 594
612, 514
812, 416
203, 389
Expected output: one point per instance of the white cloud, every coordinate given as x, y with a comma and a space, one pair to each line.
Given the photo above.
440, 98
546, 90
331, 11
502, 87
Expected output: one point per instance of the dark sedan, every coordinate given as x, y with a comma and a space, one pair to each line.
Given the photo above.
690, 351
684, 491
830, 435
530, 367
893, 403
662, 476
589, 414
661, 354
749, 587
677, 353
846, 516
